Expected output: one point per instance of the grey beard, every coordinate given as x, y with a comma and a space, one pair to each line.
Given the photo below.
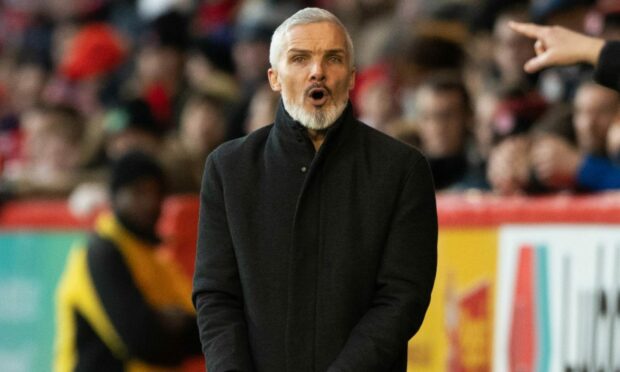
321, 119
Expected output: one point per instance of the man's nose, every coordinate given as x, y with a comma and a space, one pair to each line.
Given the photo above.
317, 72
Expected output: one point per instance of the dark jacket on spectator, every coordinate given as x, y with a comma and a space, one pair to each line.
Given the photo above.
314, 261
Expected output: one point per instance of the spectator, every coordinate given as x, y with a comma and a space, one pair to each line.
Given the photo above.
546, 162
160, 59
595, 108
201, 129
443, 124
516, 112
515, 115
131, 126
119, 305
207, 69
558, 164
263, 107
508, 170
512, 50
374, 98
485, 106
51, 154
415, 57
30, 79
21, 92
87, 58
250, 54
613, 140
128, 127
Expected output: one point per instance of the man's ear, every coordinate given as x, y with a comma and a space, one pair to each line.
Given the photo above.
274, 82
352, 79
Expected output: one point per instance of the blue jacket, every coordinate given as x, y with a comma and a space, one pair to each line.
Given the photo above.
598, 174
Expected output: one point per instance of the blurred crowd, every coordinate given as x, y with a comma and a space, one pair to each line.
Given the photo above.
84, 81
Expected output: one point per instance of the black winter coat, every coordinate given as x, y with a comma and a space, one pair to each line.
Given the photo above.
314, 261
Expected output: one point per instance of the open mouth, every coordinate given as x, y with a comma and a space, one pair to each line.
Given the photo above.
318, 96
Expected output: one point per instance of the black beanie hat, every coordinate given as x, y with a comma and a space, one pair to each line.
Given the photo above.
133, 166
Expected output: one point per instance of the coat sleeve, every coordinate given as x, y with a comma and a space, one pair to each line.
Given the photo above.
404, 281
607, 71
217, 293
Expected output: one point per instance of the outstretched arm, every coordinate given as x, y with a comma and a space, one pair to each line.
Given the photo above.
556, 46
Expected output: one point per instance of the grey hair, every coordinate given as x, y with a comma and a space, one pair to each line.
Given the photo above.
304, 17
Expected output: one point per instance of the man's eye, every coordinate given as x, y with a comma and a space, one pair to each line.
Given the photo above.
298, 59
335, 59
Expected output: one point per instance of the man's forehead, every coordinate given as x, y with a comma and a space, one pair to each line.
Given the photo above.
325, 35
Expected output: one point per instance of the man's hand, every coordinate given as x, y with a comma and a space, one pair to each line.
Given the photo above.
557, 46
555, 161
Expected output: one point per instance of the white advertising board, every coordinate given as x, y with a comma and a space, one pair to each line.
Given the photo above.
558, 298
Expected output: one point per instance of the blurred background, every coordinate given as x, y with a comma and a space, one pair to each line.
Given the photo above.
526, 165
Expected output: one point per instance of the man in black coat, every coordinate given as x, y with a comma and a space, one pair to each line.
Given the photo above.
317, 244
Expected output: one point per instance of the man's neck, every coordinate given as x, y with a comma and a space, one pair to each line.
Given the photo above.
317, 137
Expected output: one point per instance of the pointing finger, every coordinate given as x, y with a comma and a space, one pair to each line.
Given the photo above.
528, 29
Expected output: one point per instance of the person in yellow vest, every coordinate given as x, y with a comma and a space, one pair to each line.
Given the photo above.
120, 306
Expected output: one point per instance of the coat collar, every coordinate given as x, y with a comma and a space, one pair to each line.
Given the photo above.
288, 129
